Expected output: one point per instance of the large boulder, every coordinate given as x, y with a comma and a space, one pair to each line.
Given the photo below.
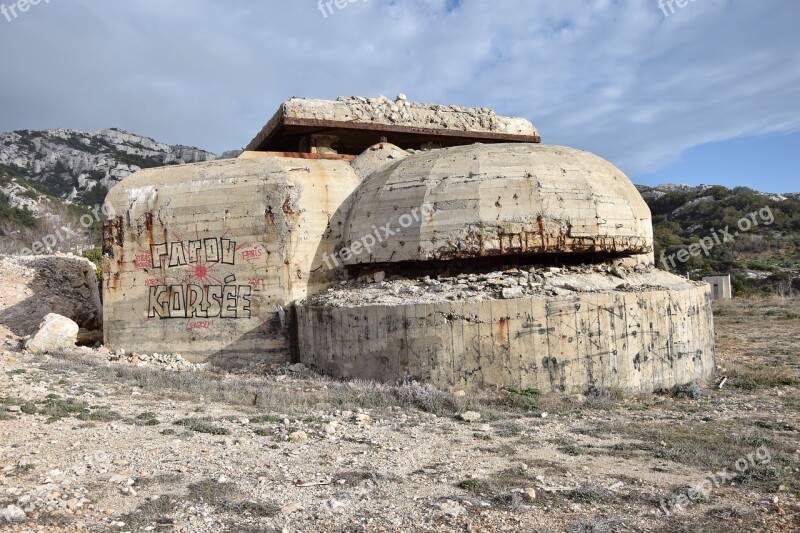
35, 286
55, 333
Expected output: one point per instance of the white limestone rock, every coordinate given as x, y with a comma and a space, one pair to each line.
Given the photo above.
55, 333
12, 513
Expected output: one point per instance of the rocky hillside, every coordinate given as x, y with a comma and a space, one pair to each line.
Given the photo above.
752, 235
49, 179
81, 167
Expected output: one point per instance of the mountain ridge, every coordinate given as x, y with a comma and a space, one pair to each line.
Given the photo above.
80, 167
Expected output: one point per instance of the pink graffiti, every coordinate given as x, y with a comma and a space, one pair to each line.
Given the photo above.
252, 254
143, 260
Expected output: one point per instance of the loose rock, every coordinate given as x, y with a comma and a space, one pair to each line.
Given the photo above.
470, 416
55, 333
298, 436
12, 513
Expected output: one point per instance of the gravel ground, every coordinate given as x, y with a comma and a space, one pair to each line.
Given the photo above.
91, 441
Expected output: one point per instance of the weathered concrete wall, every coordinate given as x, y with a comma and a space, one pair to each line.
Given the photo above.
210, 260
495, 200
204, 260
638, 341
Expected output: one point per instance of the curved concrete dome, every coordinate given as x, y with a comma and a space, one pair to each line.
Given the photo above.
499, 199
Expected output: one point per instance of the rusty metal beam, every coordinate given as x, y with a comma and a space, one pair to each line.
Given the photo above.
426, 132
277, 129
298, 155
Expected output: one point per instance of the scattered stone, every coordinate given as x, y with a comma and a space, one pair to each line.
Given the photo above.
470, 416
451, 508
298, 436
618, 272
513, 292
12, 513
298, 368
397, 290
529, 494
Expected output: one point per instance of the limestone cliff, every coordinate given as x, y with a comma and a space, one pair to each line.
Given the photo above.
81, 167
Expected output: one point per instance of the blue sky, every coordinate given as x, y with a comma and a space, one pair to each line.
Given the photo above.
766, 163
709, 93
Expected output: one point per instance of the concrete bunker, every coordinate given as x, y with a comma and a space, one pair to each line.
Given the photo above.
388, 240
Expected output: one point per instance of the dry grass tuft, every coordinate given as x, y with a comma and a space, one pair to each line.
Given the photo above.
754, 378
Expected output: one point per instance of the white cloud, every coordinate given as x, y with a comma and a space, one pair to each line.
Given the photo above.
612, 76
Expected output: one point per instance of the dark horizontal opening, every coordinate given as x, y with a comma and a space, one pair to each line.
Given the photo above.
483, 265
355, 137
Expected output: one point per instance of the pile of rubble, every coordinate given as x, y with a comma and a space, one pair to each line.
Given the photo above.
382, 110
512, 283
166, 361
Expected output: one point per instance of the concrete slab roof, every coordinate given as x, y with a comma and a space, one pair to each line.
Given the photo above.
358, 122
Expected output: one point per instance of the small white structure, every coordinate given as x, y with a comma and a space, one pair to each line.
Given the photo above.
721, 288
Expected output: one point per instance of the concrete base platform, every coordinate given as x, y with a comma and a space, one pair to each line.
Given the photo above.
640, 337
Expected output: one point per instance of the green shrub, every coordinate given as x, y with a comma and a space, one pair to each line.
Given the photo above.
14, 216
